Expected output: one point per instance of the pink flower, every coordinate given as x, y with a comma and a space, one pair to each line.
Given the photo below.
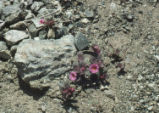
73, 76
94, 68
68, 92
96, 49
42, 21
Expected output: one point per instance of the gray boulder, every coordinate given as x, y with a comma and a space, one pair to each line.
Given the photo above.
81, 41
3, 45
14, 36
41, 61
10, 9
15, 17
44, 12
89, 13
33, 30
36, 6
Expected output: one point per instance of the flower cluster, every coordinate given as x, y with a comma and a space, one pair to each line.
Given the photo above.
48, 23
94, 68
42, 21
66, 90
91, 70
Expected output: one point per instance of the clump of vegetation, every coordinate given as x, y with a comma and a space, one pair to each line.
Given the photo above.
83, 70
66, 90
48, 23
85, 73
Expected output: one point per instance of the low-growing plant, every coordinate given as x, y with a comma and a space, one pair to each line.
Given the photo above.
49, 23
90, 72
95, 68
66, 90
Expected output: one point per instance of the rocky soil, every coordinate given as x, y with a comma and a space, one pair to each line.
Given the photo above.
35, 55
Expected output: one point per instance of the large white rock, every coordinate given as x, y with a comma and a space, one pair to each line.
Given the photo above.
40, 61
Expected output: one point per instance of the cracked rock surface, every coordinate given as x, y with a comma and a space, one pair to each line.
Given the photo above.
41, 61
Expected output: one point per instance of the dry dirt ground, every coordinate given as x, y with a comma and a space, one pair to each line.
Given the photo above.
136, 40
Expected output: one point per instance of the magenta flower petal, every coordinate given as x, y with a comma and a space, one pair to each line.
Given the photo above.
73, 76
94, 68
42, 21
